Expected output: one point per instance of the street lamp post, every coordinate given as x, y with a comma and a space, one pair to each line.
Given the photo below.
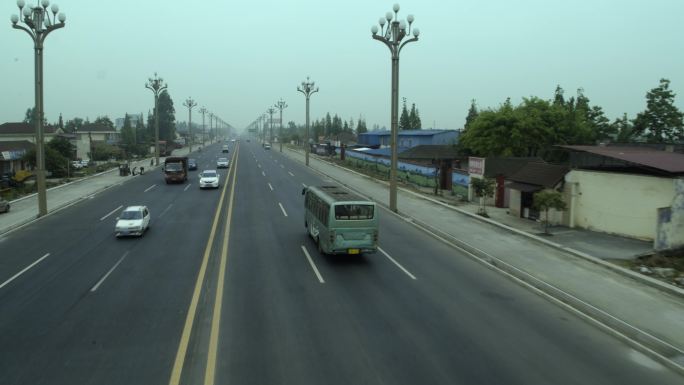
190, 104
38, 24
270, 111
211, 126
203, 111
307, 88
156, 85
281, 105
393, 37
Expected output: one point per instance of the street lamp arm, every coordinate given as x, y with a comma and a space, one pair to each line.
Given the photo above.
52, 28
383, 40
406, 42
21, 27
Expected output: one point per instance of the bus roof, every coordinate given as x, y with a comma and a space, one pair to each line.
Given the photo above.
334, 194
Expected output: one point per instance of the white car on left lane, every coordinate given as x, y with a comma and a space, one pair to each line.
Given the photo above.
134, 220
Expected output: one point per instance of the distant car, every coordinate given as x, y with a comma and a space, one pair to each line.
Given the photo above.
209, 179
222, 163
76, 165
225, 148
134, 220
85, 162
248, 140
192, 164
232, 140
267, 146
4, 206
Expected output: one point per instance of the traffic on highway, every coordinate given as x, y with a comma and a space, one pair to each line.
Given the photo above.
232, 285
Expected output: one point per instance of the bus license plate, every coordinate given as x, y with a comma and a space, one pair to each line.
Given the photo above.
353, 251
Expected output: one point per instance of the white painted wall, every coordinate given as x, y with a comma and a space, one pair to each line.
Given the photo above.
623, 204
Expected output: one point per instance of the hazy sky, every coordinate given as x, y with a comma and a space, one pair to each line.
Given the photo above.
237, 58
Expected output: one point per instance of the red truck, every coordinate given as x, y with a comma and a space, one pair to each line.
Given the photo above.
176, 169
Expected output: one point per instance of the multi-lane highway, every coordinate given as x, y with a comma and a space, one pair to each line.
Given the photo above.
227, 288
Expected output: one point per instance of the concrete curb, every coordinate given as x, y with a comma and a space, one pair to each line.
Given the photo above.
652, 282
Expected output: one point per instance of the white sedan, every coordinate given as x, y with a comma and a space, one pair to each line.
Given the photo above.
209, 179
222, 163
134, 220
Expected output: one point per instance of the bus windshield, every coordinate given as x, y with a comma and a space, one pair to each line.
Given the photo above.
353, 211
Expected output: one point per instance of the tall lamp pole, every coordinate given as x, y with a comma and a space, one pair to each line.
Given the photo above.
211, 126
38, 24
157, 86
270, 111
393, 37
203, 111
307, 88
190, 104
281, 105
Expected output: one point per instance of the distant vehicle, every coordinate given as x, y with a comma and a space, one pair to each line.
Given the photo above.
222, 163
4, 206
76, 165
340, 222
85, 162
248, 140
267, 146
192, 164
232, 140
176, 169
225, 148
209, 179
134, 220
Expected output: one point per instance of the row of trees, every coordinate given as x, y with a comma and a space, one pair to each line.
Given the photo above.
535, 125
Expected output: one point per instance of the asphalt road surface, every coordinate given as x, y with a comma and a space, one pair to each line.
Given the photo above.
227, 288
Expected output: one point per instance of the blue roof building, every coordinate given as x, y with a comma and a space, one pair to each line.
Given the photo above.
409, 138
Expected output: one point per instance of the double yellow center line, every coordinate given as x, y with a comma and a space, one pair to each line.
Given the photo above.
179, 362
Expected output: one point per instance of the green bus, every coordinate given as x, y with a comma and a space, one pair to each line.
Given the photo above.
340, 222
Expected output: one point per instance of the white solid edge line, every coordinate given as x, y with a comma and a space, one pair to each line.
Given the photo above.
150, 188
271, 187
291, 174
282, 208
263, 173
313, 265
397, 263
187, 187
24, 270
110, 213
109, 272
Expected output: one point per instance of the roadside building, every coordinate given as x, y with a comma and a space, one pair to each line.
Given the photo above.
530, 178
498, 169
634, 191
90, 134
18, 131
11, 155
409, 138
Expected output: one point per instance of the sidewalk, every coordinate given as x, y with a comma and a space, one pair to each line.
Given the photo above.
639, 314
25, 209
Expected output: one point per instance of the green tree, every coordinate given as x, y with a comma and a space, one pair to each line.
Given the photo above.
472, 114
361, 126
104, 121
73, 125
483, 188
558, 98
63, 146
404, 120
624, 129
55, 163
661, 122
546, 200
167, 120
414, 118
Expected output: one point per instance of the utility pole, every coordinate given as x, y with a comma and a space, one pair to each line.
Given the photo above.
190, 104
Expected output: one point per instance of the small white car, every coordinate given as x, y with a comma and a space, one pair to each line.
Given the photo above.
209, 179
222, 163
134, 220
